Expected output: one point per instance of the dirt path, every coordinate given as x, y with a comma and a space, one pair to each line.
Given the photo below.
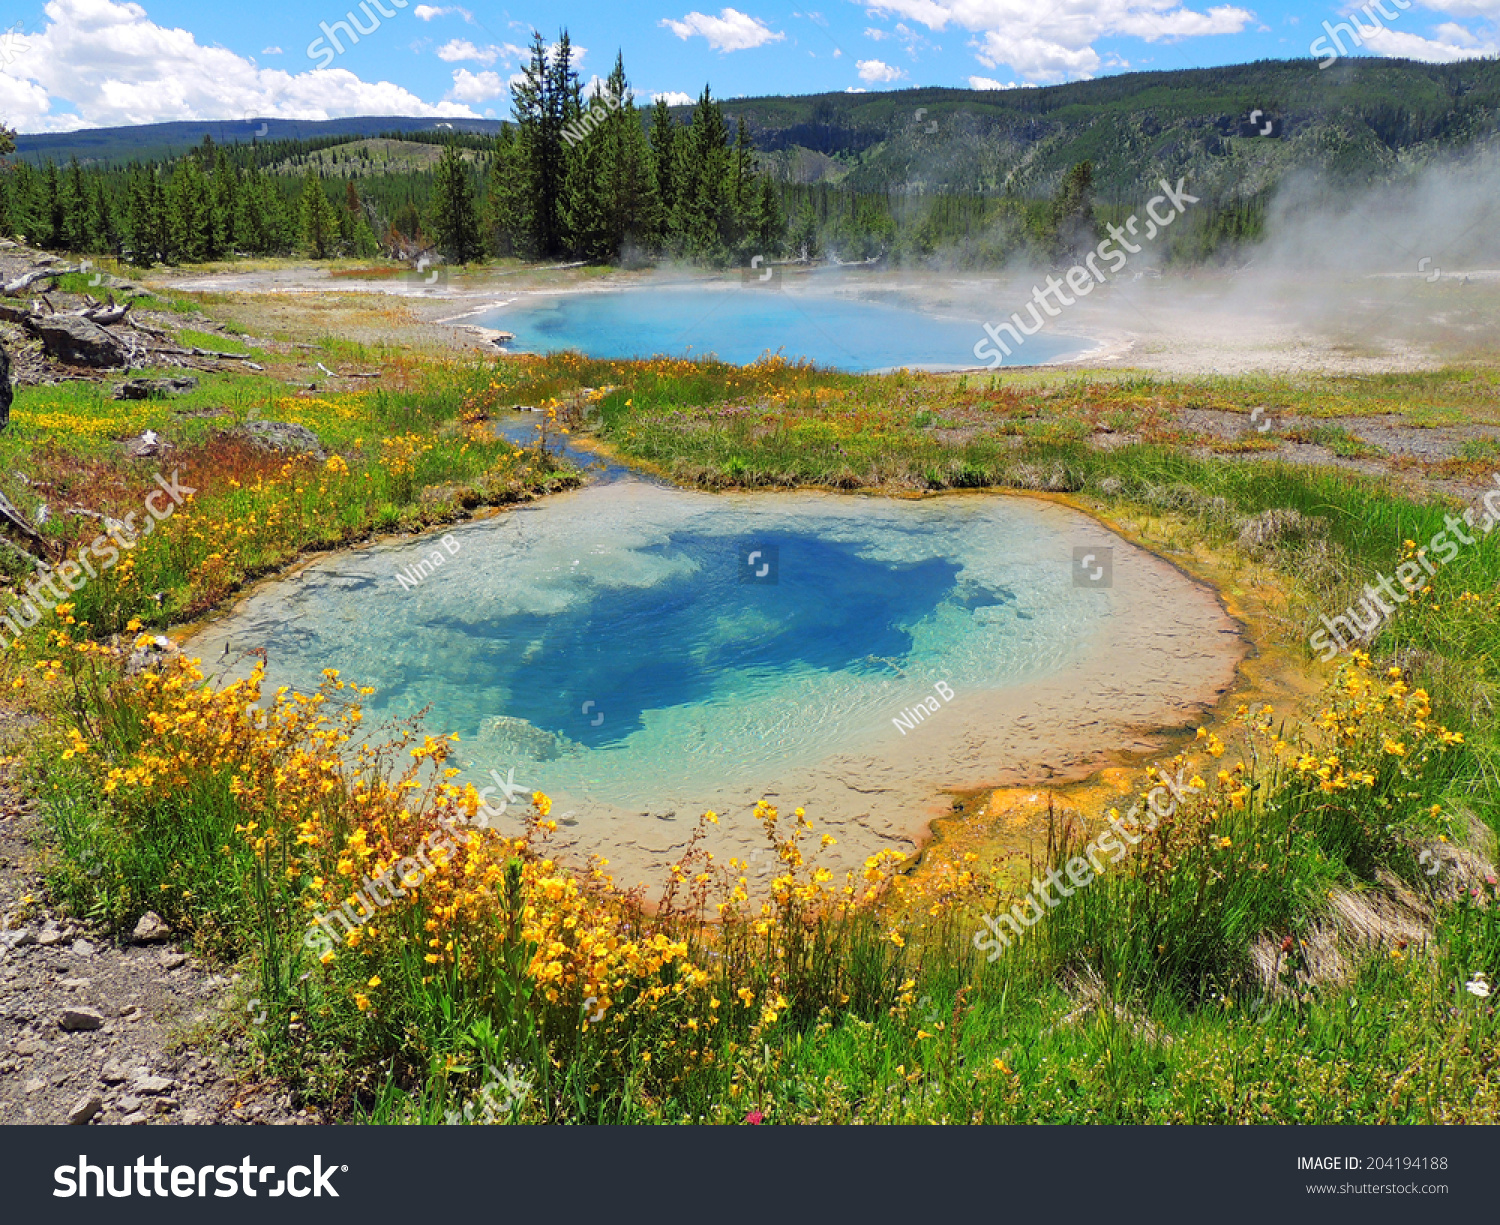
95, 1031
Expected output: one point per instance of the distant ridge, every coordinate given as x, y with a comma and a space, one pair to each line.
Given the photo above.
154, 141
1237, 130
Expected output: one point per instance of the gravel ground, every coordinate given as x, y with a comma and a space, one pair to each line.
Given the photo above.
93, 1031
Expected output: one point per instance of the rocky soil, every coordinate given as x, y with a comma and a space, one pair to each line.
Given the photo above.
95, 1031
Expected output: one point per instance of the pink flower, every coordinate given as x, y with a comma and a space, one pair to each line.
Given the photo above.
754, 1117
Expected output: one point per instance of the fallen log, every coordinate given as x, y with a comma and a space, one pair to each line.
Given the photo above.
237, 357
9, 514
12, 288
106, 316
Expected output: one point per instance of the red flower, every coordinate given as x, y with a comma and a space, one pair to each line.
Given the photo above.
754, 1117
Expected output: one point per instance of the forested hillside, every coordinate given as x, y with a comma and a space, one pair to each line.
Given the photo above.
907, 176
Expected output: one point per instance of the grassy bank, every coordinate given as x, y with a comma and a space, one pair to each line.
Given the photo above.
1278, 947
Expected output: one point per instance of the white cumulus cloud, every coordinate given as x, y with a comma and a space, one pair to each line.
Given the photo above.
673, 97
991, 83
874, 70
99, 63
1049, 40
457, 49
427, 12
476, 86
1453, 43
731, 30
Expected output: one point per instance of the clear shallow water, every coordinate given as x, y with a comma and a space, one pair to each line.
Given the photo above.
740, 323
620, 646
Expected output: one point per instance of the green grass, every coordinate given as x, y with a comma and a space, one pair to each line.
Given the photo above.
1137, 1000
189, 338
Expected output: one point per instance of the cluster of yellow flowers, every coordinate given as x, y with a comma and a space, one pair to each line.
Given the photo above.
1372, 726
87, 424
1366, 722
399, 455
318, 827
318, 410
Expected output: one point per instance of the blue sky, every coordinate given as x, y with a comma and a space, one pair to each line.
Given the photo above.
93, 63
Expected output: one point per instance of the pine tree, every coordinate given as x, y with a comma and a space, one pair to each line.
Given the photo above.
189, 215
664, 138
25, 193
138, 220
74, 209
1071, 224
160, 222
742, 169
103, 232
546, 103
319, 222
223, 191
50, 226
634, 203
804, 239
507, 205
455, 223
769, 221
586, 214
702, 170
361, 237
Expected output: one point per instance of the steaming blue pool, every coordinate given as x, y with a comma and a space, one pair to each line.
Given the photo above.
740, 322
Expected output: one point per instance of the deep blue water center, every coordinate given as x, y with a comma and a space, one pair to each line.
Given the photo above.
592, 651
741, 323
632, 648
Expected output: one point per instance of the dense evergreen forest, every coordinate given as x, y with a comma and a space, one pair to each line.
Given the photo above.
908, 177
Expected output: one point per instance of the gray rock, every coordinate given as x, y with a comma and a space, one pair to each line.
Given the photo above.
148, 444
50, 935
129, 1103
76, 1019
148, 1086
282, 436
85, 1108
82, 948
72, 339
76, 984
133, 1120
18, 939
112, 1073
513, 737
172, 961
34, 1085
150, 654
31, 1045
150, 929
154, 389
5, 390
